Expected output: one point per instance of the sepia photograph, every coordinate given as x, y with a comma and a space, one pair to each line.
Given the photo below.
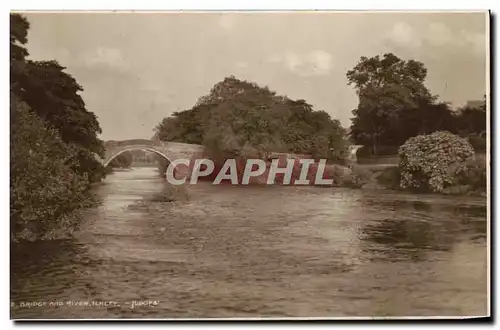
249, 165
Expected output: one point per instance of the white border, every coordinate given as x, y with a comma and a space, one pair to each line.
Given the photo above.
49, 5
252, 5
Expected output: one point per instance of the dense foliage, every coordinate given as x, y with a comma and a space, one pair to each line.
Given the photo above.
54, 96
44, 190
53, 144
394, 105
434, 161
239, 118
474, 177
471, 123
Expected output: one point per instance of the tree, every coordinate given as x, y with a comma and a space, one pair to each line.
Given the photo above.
183, 126
19, 26
53, 144
44, 191
387, 87
54, 96
472, 121
240, 118
425, 118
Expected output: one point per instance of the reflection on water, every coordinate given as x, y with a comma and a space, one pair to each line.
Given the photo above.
432, 228
258, 251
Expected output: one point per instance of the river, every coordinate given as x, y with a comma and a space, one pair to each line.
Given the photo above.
258, 251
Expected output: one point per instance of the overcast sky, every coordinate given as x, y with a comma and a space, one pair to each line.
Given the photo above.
138, 68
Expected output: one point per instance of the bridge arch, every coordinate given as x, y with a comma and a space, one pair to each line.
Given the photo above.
118, 152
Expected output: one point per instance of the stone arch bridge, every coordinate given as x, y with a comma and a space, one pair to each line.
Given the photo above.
168, 150
172, 150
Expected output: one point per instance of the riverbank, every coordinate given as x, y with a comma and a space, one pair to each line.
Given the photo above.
388, 178
357, 176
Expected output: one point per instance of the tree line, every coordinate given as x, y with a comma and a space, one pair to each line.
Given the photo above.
394, 105
241, 118
238, 118
53, 147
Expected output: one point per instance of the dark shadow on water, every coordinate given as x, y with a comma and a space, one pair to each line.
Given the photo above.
421, 206
403, 239
41, 253
412, 230
45, 266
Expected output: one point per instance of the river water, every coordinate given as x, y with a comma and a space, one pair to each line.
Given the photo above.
258, 251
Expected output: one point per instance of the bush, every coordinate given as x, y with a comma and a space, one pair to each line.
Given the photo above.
433, 162
474, 175
44, 192
478, 142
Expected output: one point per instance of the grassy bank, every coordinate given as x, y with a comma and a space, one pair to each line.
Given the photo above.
377, 176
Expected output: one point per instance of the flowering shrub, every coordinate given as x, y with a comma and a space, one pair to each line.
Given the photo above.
433, 162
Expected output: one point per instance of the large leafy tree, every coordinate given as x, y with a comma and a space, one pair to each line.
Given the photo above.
240, 118
424, 118
19, 26
53, 144
44, 191
387, 86
472, 121
54, 96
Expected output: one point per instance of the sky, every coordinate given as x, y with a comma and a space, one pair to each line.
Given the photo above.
137, 68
